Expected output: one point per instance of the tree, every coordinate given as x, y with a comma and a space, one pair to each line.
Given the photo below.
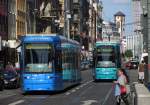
128, 53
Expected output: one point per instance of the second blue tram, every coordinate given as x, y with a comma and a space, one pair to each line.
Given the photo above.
49, 63
107, 60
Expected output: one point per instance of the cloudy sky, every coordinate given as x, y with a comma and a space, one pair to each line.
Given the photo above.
111, 7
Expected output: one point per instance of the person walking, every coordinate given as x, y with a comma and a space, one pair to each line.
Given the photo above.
120, 88
141, 71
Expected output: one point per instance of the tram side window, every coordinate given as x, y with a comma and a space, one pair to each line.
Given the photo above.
65, 59
73, 60
58, 61
70, 59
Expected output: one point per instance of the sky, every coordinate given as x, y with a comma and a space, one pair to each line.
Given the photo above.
111, 7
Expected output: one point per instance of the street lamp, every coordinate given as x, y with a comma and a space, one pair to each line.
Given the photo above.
68, 17
34, 13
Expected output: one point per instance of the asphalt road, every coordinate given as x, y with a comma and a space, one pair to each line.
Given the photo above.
87, 93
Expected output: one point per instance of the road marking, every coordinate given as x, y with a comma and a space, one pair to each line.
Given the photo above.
73, 90
68, 93
89, 102
84, 84
107, 96
79, 87
17, 102
90, 81
6, 96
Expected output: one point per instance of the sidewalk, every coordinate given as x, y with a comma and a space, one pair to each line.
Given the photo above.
142, 94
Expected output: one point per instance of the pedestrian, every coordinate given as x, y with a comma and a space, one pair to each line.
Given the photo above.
141, 71
120, 88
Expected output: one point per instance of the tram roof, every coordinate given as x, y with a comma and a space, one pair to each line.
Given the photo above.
46, 38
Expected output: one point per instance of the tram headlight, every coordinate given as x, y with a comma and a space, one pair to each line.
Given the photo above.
27, 77
48, 77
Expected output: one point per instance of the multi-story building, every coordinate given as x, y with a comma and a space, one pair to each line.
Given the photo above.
43, 16
3, 31
20, 17
75, 25
84, 28
61, 20
16, 27
99, 20
11, 19
138, 36
12, 31
92, 22
135, 40
110, 32
30, 16
144, 24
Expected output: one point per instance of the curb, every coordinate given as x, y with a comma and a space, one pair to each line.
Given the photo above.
142, 94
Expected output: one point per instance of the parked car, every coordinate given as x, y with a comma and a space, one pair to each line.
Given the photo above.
127, 64
133, 64
11, 79
1, 81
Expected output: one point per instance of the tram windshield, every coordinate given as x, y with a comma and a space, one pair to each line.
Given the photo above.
106, 56
38, 57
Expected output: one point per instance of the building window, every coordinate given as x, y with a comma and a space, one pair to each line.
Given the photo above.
118, 24
118, 17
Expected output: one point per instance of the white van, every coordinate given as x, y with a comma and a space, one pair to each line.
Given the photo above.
143, 56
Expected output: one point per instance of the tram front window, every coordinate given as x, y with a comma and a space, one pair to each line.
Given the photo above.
106, 61
38, 58
106, 57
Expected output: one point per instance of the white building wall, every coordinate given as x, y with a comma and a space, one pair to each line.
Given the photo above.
137, 11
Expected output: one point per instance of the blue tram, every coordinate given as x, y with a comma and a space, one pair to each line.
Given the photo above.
107, 60
49, 63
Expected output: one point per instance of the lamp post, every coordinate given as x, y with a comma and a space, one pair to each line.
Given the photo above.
68, 25
34, 13
67, 18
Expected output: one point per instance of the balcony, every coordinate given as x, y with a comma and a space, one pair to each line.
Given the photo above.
76, 1
48, 14
76, 18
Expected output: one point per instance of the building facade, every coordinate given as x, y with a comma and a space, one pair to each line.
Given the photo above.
20, 17
76, 18
84, 28
137, 11
110, 32
80, 20
99, 20
12, 56
95, 21
43, 16
3, 31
